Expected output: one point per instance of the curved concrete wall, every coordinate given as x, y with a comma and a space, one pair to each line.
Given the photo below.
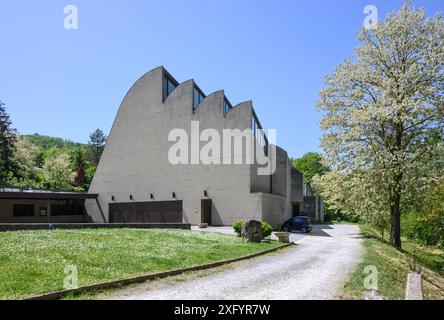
135, 160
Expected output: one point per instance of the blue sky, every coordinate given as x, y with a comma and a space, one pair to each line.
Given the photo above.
67, 83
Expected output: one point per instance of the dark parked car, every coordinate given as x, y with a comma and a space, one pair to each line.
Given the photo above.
298, 223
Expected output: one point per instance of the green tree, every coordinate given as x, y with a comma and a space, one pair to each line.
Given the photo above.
89, 175
7, 145
310, 164
97, 141
426, 223
384, 111
80, 164
52, 152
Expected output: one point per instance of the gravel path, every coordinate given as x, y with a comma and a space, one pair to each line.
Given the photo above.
314, 269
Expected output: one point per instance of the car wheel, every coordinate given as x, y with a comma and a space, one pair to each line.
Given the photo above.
304, 230
286, 229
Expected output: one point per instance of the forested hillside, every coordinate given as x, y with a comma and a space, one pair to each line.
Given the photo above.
49, 162
38, 161
46, 142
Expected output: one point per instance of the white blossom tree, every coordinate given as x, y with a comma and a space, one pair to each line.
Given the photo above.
357, 194
57, 172
384, 113
24, 158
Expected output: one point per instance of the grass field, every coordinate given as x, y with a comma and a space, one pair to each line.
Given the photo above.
33, 262
394, 265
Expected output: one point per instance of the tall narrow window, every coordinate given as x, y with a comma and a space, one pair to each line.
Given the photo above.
198, 96
258, 134
169, 85
266, 145
227, 106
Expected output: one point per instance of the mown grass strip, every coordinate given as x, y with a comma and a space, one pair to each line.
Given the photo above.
139, 279
34, 262
393, 266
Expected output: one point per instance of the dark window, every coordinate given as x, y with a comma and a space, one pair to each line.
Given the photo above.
67, 209
170, 87
266, 145
227, 106
23, 210
169, 84
258, 134
198, 96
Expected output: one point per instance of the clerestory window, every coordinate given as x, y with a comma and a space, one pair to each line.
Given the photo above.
227, 106
198, 97
259, 134
169, 84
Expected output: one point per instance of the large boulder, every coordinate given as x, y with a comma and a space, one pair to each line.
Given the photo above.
252, 231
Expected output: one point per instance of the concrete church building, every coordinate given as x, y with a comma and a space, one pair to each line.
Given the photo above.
136, 181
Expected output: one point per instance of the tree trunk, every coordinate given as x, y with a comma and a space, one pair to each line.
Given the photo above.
395, 233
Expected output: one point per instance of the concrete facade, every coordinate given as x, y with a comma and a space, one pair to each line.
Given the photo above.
313, 204
135, 164
314, 208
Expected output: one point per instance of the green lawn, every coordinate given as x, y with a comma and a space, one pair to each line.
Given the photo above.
33, 262
393, 266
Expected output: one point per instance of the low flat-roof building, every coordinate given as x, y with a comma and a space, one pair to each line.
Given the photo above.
143, 176
19, 205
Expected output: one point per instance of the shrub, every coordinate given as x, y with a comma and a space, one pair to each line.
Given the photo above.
237, 226
423, 228
347, 217
267, 229
329, 216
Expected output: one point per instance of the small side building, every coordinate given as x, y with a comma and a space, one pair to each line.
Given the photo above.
30, 206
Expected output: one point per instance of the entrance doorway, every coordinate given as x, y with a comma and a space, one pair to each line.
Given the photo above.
205, 211
296, 210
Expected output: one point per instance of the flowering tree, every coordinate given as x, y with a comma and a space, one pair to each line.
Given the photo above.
357, 194
383, 117
25, 159
57, 172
